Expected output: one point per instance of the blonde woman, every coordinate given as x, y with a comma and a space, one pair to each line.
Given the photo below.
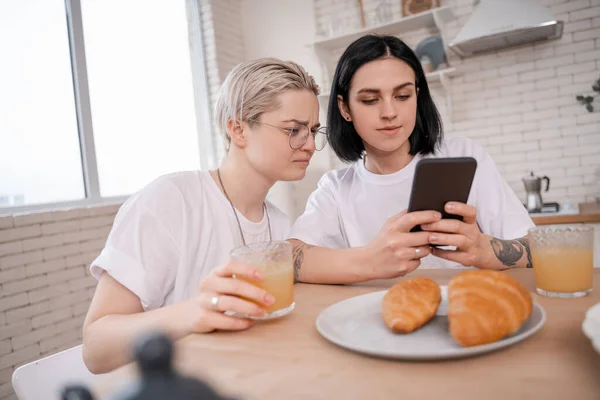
166, 261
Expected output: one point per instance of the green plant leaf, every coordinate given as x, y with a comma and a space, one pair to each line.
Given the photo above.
596, 87
589, 99
579, 98
589, 107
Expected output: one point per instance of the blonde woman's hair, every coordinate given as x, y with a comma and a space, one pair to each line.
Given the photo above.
252, 87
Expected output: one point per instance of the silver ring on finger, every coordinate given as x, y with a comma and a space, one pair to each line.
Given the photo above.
417, 252
214, 302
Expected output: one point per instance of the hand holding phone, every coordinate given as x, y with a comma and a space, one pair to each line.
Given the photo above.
438, 181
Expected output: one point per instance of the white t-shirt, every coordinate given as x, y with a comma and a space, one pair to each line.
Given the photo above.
170, 235
350, 205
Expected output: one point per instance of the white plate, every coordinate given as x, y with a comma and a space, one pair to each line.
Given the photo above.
356, 324
591, 325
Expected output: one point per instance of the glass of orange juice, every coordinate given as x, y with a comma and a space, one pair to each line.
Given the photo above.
563, 259
274, 260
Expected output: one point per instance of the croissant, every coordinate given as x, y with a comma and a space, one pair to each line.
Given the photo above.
484, 306
410, 304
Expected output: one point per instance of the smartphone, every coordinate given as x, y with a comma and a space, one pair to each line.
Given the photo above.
440, 180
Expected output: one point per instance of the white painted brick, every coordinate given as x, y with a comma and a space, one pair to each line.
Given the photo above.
582, 150
520, 127
544, 154
20, 259
589, 139
572, 48
63, 276
509, 158
5, 347
65, 215
540, 94
588, 118
555, 143
588, 78
61, 227
591, 12
553, 82
10, 235
7, 392
92, 246
20, 355
578, 26
504, 139
481, 75
571, 5
34, 336
67, 339
51, 318
97, 222
555, 62
21, 313
576, 68
553, 103
503, 101
41, 242
497, 62
88, 234
501, 82
590, 179
81, 259
584, 170
592, 55
526, 146
515, 69
45, 267
574, 89
7, 303
2, 318
81, 309
577, 190
539, 115
10, 275
69, 299
46, 293
560, 162
535, 75
32, 218
6, 221
570, 111
585, 35
83, 283
565, 182
541, 134
62, 251
521, 88
469, 87
9, 248
596, 22
16, 329
557, 122
6, 374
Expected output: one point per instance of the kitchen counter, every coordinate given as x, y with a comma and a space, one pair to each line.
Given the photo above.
588, 213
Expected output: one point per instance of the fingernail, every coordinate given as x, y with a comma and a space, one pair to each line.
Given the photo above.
434, 238
438, 215
449, 206
269, 299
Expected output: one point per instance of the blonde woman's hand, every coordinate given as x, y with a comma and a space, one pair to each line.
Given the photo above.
220, 292
396, 251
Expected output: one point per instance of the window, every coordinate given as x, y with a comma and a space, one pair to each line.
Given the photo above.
100, 103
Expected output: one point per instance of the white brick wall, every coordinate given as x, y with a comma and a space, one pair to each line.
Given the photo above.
45, 287
520, 103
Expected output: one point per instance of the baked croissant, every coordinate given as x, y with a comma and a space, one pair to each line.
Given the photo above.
410, 304
484, 306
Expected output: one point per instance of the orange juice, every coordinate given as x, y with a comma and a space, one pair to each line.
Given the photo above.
563, 269
279, 283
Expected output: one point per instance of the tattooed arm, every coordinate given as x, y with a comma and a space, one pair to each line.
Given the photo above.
512, 253
313, 264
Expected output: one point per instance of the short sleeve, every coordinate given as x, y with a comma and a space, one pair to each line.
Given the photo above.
142, 249
500, 213
320, 224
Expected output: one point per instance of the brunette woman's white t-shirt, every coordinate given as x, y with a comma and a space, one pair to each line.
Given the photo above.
350, 205
169, 236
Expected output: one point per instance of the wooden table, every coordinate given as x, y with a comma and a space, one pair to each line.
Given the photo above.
288, 359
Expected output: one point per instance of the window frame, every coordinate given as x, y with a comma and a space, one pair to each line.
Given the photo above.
85, 127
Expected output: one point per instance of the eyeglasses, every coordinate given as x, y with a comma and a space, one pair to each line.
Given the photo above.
298, 135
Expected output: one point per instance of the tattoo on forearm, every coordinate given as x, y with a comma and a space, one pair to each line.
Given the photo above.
298, 257
525, 243
509, 252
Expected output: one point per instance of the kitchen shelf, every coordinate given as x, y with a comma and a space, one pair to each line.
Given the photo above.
325, 48
431, 18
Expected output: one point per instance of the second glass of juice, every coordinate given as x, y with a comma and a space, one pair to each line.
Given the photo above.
563, 259
274, 260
